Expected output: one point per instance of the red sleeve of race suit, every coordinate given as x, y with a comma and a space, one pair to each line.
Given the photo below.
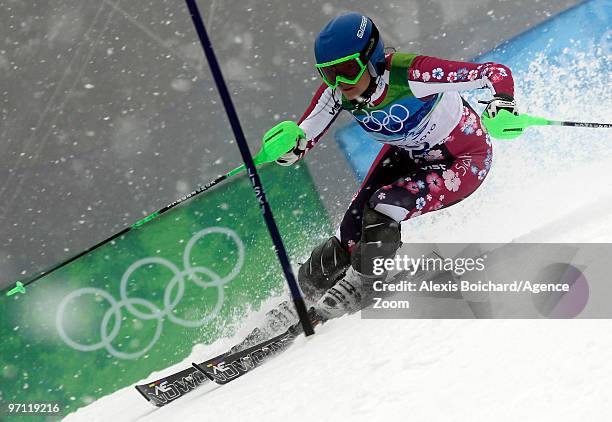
431, 75
319, 116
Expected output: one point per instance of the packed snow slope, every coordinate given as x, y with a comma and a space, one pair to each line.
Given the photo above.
418, 370
551, 185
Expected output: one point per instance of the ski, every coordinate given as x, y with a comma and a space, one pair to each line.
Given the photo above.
227, 366
174, 386
221, 369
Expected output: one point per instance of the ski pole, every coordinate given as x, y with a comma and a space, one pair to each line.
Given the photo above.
258, 188
276, 142
506, 125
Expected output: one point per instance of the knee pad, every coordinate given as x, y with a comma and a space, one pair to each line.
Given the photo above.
380, 238
327, 263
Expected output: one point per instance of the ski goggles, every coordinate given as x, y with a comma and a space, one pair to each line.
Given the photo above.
346, 69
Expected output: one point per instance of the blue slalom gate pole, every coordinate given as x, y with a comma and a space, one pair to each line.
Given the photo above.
281, 252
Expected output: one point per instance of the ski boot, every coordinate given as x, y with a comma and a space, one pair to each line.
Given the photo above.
276, 321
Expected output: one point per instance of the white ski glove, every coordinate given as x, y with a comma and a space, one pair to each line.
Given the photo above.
294, 154
500, 102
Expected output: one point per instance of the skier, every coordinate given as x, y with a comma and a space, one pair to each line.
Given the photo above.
435, 150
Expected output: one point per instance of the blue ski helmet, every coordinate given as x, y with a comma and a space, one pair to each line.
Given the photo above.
348, 34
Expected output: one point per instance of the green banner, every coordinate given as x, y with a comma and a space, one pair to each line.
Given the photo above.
139, 304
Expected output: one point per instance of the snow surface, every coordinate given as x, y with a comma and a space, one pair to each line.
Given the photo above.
432, 370
428, 370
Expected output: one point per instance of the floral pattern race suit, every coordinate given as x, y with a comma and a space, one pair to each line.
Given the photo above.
435, 151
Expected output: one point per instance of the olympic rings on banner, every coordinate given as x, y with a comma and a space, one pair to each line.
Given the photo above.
175, 285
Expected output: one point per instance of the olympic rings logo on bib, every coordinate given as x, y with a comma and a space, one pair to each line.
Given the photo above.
177, 282
380, 120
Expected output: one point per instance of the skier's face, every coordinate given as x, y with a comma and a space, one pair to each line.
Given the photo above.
351, 92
